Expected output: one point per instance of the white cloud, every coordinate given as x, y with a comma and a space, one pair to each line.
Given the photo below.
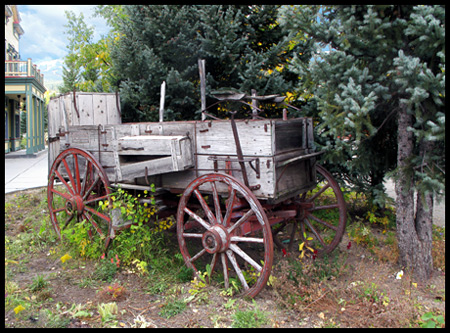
44, 40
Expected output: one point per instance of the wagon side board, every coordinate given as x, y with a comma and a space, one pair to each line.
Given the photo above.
85, 109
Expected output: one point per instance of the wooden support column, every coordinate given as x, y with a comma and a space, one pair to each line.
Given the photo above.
29, 108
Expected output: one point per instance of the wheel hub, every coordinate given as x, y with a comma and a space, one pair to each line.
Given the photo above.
75, 205
216, 239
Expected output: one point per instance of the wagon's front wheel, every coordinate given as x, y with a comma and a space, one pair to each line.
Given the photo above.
229, 232
77, 184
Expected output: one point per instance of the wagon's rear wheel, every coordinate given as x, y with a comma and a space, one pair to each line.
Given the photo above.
322, 216
231, 233
77, 183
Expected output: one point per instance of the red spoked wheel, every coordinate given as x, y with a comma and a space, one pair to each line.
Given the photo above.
321, 217
83, 184
228, 232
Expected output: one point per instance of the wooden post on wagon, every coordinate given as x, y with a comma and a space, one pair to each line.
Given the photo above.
254, 105
161, 102
201, 70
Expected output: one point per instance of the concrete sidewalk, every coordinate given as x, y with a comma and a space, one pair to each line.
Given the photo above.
22, 172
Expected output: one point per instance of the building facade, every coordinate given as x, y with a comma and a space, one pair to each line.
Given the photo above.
24, 91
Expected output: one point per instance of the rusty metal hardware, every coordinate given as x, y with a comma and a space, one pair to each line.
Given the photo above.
238, 148
132, 148
75, 103
117, 104
256, 167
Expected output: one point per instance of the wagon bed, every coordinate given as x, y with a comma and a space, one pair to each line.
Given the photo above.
172, 154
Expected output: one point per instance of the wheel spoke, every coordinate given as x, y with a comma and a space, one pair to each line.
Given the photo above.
246, 239
58, 210
245, 256
226, 219
198, 255
87, 167
77, 174
225, 270
333, 206
61, 178
214, 262
192, 235
69, 173
64, 195
328, 225
69, 218
197, 218
91, 220
205, 207
100, 215
88, 202
241, 220
293, 232
314, 231
216, 203
91, 188
238, 271
323, 189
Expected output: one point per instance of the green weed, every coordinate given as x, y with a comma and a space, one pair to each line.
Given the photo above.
253, 318
172, 308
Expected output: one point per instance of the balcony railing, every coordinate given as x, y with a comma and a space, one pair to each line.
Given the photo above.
17, 68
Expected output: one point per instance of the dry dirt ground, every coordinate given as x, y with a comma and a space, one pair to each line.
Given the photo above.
362, 292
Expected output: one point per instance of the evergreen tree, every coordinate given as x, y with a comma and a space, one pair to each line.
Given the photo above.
71, 76
241, 46
380, 96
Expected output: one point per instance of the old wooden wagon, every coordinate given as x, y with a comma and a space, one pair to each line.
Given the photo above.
236, 186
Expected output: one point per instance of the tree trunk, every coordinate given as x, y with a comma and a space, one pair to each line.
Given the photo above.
424, 223
413, 232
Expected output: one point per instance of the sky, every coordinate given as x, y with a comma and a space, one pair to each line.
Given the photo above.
44, 40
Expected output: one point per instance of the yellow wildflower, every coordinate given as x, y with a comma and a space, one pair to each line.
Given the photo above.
65, 257
18, 308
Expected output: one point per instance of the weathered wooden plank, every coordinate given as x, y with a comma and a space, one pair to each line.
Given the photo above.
87, 137
151, 145
99, 109
216, 137
113, 115
294, 178
85, 109
69, 108
206, 165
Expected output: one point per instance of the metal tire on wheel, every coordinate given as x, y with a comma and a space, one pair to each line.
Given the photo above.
233, 233
84, 184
